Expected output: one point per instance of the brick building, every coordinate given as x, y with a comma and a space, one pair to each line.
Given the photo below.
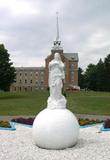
28, 79
71, 64
33, 78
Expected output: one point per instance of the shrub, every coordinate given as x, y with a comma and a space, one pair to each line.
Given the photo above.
5, 124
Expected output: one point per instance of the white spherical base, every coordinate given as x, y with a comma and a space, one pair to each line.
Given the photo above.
55, 129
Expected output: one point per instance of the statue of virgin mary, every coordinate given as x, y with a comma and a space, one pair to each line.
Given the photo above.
56, 78
56, 127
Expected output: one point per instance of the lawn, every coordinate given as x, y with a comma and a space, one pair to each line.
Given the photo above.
30, 103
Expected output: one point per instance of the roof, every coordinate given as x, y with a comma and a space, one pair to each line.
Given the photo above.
71, 56
29, 68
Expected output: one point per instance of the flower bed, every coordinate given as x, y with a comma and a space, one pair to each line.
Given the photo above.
28, 121
84, 122
5, 124
106, 123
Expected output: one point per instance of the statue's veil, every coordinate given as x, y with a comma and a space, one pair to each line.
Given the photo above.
57, 57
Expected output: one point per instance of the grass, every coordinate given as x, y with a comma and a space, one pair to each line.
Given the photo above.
31, 103
97, 103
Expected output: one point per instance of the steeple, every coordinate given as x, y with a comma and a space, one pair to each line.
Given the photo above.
57, 37
57, 42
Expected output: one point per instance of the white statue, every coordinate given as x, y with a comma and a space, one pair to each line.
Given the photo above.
55, 127
56, 78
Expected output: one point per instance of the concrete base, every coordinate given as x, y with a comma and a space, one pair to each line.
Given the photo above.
55, 129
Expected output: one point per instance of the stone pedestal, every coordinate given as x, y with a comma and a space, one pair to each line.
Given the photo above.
55, 129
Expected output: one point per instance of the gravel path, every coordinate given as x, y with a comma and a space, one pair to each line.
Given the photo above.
18, 145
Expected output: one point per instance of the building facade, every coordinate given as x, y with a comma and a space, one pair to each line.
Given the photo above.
28, 79
71, 65
33, 78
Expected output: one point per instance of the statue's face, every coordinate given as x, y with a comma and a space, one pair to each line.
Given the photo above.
57, 57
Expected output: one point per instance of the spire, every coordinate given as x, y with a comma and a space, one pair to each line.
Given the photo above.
57, 37
57, 42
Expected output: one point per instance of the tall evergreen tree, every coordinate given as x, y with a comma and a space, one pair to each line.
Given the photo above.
7, 71
100, 76
80, 78
90, 77
107, 72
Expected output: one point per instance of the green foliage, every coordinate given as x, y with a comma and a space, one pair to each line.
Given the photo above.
100, 76
83, 122
90, 77
7, 71
80, 78
97, 77
5, 124
107, 73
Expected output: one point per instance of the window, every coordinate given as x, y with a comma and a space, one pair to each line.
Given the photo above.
31, 81
42, 78
72, 66
42, 82
25, 80
31, 73
20, 81
25, 73
72, 77
42, 73
20, 73
36, 82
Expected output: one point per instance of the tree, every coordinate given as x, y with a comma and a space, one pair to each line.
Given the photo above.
90, 77
107, 72
97, 77
100, 76
7, 71
80, 78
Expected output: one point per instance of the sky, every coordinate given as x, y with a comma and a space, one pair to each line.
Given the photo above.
28, 29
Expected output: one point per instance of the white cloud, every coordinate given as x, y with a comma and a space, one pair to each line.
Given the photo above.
19, 8
99, 39
23, 9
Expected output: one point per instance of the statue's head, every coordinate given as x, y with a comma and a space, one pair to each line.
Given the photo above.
57, 57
